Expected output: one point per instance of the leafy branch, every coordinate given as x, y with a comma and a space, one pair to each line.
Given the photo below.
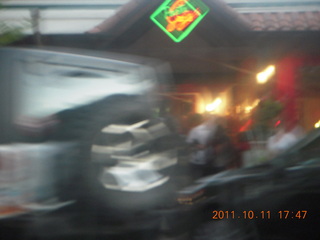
10, 34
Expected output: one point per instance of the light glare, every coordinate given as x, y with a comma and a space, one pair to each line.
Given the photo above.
214, 105
265, 75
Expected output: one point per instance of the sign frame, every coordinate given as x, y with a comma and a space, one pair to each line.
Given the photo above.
189, 12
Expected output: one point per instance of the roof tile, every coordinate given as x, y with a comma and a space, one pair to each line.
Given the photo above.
285, 21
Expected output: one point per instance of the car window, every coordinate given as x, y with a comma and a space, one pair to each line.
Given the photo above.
59, 86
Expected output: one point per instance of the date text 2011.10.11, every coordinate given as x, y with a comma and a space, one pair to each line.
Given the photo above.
283, 214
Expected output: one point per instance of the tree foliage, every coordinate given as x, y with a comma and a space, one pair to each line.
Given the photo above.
267, 111
9, 34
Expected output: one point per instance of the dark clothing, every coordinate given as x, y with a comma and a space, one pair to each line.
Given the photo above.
223, 150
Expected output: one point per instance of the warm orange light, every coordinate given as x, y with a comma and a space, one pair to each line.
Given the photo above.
317, 125
214, 105
265, 75
262, 78
256, 102
270, 70
248, 109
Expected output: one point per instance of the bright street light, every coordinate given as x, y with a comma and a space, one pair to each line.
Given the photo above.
264, 76
214, 105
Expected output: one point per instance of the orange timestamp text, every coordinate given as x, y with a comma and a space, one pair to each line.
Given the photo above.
249, 214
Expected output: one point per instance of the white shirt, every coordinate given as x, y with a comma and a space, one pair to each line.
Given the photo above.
200, 135
278, 144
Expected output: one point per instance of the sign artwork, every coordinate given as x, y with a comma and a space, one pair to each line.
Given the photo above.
177, 18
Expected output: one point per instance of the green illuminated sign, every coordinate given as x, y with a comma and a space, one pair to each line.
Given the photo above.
177, 18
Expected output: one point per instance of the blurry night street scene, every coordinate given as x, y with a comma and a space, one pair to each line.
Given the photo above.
159, 119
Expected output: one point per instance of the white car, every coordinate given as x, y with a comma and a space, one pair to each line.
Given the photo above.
93, 111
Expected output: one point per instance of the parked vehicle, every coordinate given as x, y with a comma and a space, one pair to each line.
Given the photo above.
78, 130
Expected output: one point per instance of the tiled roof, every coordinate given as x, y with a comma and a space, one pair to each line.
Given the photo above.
284, 21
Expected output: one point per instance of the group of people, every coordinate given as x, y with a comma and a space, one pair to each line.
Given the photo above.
213, 151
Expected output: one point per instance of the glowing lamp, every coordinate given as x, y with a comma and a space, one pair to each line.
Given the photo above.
264, 76
270, 70
214, 105
248, 109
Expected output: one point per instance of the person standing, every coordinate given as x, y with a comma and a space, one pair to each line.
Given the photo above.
223, 149
199, 139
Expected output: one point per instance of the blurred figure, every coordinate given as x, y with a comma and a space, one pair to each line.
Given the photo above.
224, 154
190, 121
241, 145
284, 138
199, 139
